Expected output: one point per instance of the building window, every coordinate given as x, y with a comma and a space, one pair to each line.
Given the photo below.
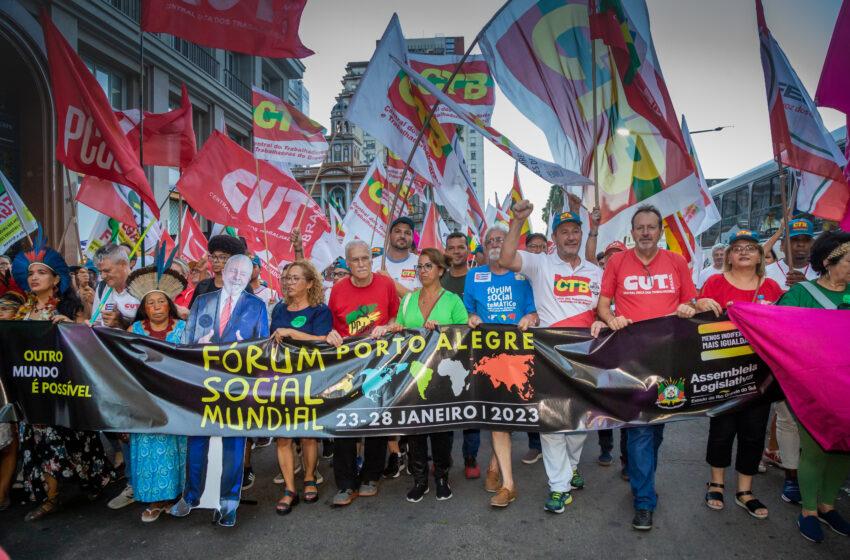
473, 155
336, 196
337, 152
113, 83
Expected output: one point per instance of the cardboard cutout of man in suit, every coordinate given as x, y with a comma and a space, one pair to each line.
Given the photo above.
214, 464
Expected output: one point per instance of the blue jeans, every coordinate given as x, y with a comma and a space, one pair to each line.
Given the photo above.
643, 443
471, 443
534, 441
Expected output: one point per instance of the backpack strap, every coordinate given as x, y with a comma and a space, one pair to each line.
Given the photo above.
818, 295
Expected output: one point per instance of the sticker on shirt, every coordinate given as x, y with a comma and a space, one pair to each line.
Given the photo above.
408, 273
362, 318
299, 321
482, 277
571, 289
519, 277
646, 284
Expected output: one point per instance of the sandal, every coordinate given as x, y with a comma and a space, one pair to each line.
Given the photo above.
311, 496
752, 505
714, 496
285, 508
151, 514
48, 506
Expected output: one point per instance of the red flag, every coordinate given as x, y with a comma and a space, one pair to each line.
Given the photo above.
834, 85
679, 237
194, 243
107, 198
257, 27
514, 196
431, 230
89, 139
222, 185
169, 137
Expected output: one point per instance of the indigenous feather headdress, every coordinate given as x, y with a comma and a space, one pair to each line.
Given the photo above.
44, 255
157, 278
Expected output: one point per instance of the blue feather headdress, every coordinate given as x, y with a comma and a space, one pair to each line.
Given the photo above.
44, 255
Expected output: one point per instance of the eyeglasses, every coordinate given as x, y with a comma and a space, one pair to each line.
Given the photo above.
745, 249
340, 274
358, 260
219, 258
292, 279
427, 267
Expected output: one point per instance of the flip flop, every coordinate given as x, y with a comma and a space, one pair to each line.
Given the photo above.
151, 514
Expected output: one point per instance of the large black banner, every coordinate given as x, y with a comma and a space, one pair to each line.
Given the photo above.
417, 381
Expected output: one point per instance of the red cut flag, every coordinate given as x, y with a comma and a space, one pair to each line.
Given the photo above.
89, 139
257, 27
431, 230
194, 243
283, 133
223, 186
169, 138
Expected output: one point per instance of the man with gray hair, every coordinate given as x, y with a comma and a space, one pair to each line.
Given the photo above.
119, 308
361, 304
494, 294
215, 465
718, 253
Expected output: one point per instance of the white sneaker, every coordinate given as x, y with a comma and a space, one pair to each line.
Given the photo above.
319, 478
124, 499
279, 479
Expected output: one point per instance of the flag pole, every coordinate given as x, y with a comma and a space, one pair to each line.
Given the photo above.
263, 214
786, 210
316, 177
595, 114
421, 133
142, 124
73, 221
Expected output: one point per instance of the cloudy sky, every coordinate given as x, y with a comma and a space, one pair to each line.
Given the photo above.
708, 51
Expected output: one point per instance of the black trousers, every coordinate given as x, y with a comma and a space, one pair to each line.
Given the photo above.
749, 426
606, 443
345, 461
441, 454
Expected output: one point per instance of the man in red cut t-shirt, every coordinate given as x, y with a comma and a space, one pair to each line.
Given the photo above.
645, 282
362, 304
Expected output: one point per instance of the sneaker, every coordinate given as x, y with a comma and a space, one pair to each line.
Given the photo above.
577, 481
810, 528
470, 468
444, 491
605, 459
327, 449
318, 476
298, 465
393, 469
417, 493
124, 499
791, 492
503, 498
261, 442
368, 489
835, 522
344, 497
532, 456
492, 482
247, 478
279, 479
557, 501
642, 520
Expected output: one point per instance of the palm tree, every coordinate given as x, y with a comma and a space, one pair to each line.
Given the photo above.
554, 204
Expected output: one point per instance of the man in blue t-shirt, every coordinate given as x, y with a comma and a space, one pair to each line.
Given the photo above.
493, 294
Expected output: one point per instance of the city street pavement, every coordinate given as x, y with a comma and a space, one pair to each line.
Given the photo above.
597, 525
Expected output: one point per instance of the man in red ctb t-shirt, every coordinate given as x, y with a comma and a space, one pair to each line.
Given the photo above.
362, 304
644, 283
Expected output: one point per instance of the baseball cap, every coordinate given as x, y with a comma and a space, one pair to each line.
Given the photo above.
402, 220
565, 217
743, 234
801, 226
614, 246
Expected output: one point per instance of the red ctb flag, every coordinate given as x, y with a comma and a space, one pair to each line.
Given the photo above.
222, 185
257, 27
89, 139
192, 238
800, 139
169, 137
283, 133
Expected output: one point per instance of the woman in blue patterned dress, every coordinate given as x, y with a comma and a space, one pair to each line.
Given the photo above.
157, 461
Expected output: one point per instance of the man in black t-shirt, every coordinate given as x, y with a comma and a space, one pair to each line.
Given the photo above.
457, 253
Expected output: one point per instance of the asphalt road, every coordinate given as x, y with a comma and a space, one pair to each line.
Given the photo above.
596, 525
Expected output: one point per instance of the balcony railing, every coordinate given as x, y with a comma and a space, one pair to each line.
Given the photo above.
237, 86
130, 8
197, 55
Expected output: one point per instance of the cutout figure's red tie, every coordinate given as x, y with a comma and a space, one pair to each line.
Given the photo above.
225, 315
